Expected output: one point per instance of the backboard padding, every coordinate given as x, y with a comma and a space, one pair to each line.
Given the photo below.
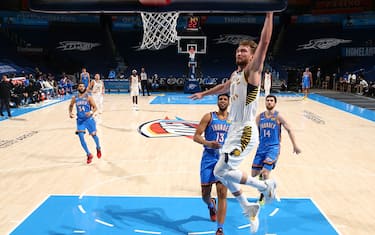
135, 6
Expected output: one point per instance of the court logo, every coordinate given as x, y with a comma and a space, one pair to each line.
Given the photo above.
168, 128
7, 143
76, 45
322, 43
313, 117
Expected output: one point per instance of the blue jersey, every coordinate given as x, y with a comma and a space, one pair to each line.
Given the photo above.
83, 106
216, 130
269, 130
306, 81
85, 79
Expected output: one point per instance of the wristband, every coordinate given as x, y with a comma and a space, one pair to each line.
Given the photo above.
91, 112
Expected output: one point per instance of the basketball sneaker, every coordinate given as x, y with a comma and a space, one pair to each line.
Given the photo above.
261, 200
219, 231
213, 210
252, 212
89, 158
98, 153
270, 192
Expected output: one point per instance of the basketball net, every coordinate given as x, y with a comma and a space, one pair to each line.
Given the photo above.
159, 29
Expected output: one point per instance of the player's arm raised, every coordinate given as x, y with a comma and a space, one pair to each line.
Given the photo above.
259, 56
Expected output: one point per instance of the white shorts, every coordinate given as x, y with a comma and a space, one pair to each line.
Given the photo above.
134, 90
241, 140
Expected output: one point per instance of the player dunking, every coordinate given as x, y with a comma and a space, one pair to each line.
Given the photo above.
215, 126
243, 135
86, 107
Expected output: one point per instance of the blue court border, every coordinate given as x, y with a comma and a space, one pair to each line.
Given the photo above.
33, 107
119, 215
184, 99
349, 108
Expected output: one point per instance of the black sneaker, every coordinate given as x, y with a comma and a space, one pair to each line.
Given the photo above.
219, 231
213, 210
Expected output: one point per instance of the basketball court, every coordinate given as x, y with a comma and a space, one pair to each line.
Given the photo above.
150, 185
147, 181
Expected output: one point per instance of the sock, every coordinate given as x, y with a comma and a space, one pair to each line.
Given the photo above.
258, 184
96, 139
242, 200
81, 136
220, 225
211, 205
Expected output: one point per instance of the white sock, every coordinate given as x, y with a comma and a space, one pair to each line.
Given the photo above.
243, 201
259, 184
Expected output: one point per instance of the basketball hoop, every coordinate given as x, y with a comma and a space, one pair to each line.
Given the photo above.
159, 29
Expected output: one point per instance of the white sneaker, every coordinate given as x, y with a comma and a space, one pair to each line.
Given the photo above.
270, 192
252, 212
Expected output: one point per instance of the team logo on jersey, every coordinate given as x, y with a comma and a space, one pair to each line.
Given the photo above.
322, 43
168, 128
236, 152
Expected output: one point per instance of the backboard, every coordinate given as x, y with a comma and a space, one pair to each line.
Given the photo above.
185, 43
136, 6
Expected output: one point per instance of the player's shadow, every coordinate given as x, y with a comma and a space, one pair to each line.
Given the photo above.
155, 217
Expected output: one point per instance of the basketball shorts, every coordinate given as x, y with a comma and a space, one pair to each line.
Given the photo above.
241, 139
208, 162
305, 83
266, 157
88, 124
134, 90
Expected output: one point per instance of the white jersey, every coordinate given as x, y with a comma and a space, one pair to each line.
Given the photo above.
97, 88
134, 89
267, 83
243, 133
243, 99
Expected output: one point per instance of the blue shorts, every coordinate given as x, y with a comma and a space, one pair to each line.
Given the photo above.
306, 83
208, 163
266, 157
88, 124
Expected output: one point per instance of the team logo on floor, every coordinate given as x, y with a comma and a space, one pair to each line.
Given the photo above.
168, 128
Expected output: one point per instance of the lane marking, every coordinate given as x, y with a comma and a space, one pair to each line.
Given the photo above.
104, 223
